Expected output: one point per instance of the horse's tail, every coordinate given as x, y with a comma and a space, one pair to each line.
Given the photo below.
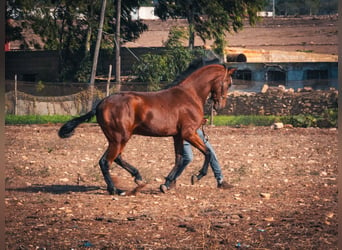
67, 130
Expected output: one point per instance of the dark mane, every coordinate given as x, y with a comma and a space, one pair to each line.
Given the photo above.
193, 66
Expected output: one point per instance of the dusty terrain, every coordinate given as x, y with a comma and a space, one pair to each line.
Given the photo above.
284, 195
310, 34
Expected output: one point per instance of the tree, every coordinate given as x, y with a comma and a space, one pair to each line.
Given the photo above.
12, 32
210, 19
96, 53
154, 68
70, 27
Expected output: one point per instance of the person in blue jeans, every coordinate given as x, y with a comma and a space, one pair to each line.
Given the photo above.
214, 164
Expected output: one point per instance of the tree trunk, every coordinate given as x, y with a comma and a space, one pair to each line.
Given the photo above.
191, 36
96, 55
89, 32
117, 46
191, 28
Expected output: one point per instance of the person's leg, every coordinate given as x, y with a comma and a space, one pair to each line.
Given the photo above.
187, 158
214, 164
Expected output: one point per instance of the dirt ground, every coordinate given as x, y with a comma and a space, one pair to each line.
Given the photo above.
311, 34
284, 195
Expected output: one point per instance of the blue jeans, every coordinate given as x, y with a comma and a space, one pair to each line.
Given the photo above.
188, 157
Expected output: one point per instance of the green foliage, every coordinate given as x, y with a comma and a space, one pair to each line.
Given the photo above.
177, 36
303, 121
327, 120
210, 19
154, 68
38, 119
40, 86
219, 44
70, 27
13, 32
245, 120
84, 71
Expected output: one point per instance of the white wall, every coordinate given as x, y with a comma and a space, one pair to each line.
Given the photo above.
145, 13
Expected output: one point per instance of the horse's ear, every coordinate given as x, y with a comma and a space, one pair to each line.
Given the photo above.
231, 70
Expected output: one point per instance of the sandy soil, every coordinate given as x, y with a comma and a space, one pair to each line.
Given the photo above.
311, 34
284, 195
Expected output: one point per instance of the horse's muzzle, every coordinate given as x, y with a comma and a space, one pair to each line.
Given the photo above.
219, 104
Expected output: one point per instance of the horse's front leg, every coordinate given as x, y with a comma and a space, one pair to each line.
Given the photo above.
178, 145
204, 170
198, 143
132, 170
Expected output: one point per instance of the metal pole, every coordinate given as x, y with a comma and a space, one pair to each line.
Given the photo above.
15, 95
108, 81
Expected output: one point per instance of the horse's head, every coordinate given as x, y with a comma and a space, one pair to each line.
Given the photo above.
219, 90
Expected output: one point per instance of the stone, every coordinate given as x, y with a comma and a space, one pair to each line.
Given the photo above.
264, 88
278, 125
265, 195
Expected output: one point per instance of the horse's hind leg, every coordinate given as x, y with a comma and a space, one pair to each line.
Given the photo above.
178, 145
105, 162
132, 170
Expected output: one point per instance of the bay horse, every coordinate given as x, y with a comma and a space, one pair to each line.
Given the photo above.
177, 111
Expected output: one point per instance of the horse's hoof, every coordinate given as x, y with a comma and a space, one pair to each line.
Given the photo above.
140, 182
111, 191
194, 179
116, 191
173, 184
120, 192
163, 188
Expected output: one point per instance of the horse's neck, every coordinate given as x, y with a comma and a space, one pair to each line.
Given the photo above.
201, 83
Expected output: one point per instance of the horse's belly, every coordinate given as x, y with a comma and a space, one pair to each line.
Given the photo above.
152, 129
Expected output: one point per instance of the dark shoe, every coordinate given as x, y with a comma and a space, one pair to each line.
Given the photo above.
224, 185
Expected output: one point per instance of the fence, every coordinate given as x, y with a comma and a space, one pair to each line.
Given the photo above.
25, 98
63, 89
72, 99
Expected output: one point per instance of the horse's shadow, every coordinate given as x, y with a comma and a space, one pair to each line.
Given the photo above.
65, 189
55, 189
